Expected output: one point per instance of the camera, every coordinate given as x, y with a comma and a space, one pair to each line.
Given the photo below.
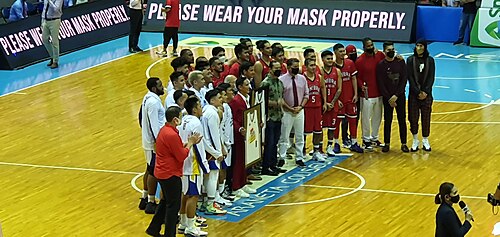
494, 199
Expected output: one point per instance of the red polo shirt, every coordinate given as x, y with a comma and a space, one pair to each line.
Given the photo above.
170, 153
367, 72
172, 19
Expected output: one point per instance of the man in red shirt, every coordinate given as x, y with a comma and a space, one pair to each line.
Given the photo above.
172, 24
249, 44
218, 72
261, 67
349, 97
371, 99
242, 54
170, 156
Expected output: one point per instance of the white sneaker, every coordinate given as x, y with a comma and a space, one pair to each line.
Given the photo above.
220, 200
240, 193
249, 190
181, 228
414, 145
317, 156
196, 231
329, 151
426, 145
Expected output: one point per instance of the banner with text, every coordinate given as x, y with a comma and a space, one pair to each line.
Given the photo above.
317, 18
486, 29
81, 26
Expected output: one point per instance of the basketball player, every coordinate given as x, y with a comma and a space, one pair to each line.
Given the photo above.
262, 65
227, 94
219, 71
392, 79
242, 54
249, 44
152, 120
178, 81
195, 166
220, 53
179, 65
197, 80
333, 86
349, 97
215, 152
312, 109
188, 55
204, 67
247, 71
310, 54
371, 100
279, 55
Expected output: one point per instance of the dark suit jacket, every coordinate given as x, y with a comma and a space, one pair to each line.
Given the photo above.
448, 224
429, 76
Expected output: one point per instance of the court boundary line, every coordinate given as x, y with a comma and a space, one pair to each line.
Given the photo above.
68, 168
384, 191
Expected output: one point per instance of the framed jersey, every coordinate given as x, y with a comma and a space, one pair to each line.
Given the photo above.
253, 138
260, 96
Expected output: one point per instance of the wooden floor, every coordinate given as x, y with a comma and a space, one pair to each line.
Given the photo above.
89, 120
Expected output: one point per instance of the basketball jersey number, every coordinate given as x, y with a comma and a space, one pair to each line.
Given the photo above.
313, 99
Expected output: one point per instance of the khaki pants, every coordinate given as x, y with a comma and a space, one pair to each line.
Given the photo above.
51, 28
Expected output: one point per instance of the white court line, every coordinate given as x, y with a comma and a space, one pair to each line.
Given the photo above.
444, 87
385, 191
488, 95
69, 168
465, 110
468, 90
132, 182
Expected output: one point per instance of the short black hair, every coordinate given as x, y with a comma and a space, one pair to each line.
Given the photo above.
308, 51
275, 45
190, 104
245, 40
201, 59
201, 65
308, 60
277, 51
189, 93
338, 46
387, 44
239, 82
178, 94
291, 61
152, 82
185, 51
210, 94
212, 61
172, 112
217, 50
238, 49
326, 53
273, 62
175, 76
245, 66
260, 44
365, 40
223, 86
178, 62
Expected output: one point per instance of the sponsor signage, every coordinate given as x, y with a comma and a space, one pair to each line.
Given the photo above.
486, 29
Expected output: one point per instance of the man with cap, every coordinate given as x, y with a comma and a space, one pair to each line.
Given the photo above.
421, 75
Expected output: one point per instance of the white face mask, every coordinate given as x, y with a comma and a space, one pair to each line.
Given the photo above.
222, 59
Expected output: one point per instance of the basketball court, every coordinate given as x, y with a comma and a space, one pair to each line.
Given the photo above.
71, 157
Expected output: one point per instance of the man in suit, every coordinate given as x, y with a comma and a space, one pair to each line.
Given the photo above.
239, 104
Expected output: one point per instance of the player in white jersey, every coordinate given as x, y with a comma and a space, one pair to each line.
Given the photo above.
194, 167
152, 118
227, 94
213, 147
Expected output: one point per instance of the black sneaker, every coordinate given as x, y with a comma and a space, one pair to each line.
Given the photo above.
376, 143
50, 63
367, 145
142, 203
300, 163
279, 170
269, 172
281, 163
457, 42
404, 148
386, 148
150, 233
150, 208
137, 49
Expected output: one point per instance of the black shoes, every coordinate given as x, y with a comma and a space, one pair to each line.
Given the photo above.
135, 50
386, 148
150, 208
281, 163
404, 148
269, 171
278, 170
457, 42
142, 203
300, 163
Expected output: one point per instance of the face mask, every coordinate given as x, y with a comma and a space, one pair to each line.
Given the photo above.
455, 199
295, 71
353, 57
370, 51
222, 59
391, 54
277, 73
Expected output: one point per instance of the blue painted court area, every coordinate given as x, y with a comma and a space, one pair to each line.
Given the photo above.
275, 189
463, 74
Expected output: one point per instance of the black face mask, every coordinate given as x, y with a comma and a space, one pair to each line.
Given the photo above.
353, 57
295, 71
370, 51
455, 199
391, 54
277, 73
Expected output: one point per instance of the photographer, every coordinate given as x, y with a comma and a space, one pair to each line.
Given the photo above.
447, 221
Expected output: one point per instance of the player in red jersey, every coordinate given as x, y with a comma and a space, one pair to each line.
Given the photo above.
333, 89
242, 54
312, 109
349, 96
309, 53
262, 65
249, 44
217, 68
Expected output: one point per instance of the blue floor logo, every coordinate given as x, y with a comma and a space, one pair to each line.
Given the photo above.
275, 189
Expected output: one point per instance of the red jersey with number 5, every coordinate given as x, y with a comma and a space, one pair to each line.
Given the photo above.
314, 85
331, 79
348, 71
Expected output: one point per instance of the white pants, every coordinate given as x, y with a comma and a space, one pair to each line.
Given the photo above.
371, 117
288, 121
210, 183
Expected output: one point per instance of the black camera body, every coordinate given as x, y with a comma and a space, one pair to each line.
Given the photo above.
494, 199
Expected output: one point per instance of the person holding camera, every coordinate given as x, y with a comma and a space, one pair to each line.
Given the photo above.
447, 221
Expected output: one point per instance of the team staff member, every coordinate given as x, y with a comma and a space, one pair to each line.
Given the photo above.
168, 169
447, 222
51, 22
136, 14
172, 24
